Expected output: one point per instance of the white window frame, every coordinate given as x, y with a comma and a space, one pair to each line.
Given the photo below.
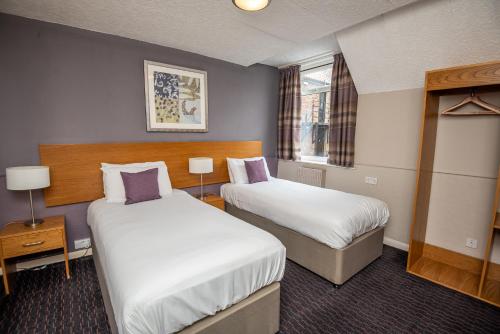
305, 68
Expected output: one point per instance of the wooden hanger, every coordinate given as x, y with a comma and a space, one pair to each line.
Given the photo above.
474, 99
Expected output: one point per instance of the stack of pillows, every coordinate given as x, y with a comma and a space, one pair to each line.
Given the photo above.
140, 182
250, 170
137, 182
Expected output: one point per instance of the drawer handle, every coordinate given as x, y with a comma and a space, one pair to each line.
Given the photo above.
36, 243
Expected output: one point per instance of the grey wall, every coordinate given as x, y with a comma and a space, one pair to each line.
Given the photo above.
65, 85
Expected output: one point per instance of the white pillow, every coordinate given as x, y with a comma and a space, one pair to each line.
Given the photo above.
238, 172
114, 190
231, 179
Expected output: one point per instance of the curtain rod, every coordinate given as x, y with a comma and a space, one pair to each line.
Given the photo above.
312, 68
309, 59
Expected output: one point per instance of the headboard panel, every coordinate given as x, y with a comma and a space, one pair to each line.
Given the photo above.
75, 168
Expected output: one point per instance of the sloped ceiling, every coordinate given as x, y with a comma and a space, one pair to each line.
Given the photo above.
214, 28
321, 46
393, 51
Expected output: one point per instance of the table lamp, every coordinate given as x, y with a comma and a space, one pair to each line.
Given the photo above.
28, 178
201, 166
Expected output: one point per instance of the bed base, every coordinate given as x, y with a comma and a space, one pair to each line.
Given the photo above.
258, 313
335, 265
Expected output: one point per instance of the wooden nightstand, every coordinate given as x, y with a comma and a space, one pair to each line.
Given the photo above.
215, 200
16, 239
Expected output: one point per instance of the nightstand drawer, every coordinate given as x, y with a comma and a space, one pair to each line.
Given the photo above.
32, 243
217, 204
215, 200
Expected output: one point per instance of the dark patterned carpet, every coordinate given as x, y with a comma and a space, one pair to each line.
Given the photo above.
383, 298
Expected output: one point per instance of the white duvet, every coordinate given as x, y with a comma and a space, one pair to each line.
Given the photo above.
173, 261
329, 216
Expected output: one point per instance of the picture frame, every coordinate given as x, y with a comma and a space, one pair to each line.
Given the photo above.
176, 98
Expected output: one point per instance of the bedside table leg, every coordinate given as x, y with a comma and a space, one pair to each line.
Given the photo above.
66, 257
5, 274
66, 262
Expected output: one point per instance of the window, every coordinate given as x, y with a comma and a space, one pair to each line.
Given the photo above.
315, 113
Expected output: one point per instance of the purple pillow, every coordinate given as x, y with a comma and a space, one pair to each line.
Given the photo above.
141, 186
256, 171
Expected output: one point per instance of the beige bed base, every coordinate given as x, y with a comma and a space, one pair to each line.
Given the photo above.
258, 313
335, 265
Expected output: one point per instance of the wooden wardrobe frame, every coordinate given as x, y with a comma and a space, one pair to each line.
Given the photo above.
454, 270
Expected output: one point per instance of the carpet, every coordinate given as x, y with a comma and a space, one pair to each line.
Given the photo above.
382, 298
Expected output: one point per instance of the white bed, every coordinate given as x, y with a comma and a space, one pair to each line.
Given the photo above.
331, 217
171, 262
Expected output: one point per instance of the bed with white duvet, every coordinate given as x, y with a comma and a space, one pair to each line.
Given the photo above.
331, 217
173, 261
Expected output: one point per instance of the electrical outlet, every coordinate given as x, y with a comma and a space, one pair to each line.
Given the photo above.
82, 243
371, 180
471, 243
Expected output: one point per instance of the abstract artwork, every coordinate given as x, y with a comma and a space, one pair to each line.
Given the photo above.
176, 98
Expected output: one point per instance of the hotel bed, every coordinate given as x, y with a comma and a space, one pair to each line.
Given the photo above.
178, 264
332, 233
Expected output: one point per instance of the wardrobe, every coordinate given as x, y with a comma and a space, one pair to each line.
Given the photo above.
474, 276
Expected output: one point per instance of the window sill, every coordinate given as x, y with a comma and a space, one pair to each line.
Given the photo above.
311, 162
315, 161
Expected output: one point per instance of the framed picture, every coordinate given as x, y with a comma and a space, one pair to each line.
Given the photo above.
176, 98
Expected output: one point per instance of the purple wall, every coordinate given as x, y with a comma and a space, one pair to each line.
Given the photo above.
65, 85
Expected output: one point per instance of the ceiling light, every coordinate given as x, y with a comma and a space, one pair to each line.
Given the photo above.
251, 5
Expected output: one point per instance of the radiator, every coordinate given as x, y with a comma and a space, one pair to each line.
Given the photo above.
311, 176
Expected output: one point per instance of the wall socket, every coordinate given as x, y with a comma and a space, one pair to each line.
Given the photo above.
371, 180
82, 243
471, 243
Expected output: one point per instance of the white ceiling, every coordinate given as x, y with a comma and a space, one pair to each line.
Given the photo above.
286, 31
327, 44
393, 51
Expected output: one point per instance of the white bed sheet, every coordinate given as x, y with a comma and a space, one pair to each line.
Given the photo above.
329, 216
173, 261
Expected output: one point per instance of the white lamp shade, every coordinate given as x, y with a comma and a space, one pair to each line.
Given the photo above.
201, 165
27, 177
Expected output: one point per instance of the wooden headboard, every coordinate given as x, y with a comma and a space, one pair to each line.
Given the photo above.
75, 174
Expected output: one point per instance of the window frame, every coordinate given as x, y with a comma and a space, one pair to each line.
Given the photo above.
326, 89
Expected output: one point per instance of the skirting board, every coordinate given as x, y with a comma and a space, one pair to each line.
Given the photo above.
79, 253
395, 244
50, 259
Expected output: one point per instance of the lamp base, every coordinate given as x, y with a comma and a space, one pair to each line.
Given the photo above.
32, 224
205, 195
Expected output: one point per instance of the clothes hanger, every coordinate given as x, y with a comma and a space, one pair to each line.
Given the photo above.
474, 99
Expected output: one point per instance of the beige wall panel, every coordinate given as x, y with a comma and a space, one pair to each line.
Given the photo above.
395, 187
460, 208
288, 169
388, 128
468, 145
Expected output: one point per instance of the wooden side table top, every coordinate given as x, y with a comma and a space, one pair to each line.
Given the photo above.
17, 228
214, 200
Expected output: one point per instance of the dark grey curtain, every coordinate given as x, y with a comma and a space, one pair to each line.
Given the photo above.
343, 109
289, 114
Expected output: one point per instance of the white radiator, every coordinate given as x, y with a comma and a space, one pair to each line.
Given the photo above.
311, 176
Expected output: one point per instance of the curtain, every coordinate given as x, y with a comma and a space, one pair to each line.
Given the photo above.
289, 114
343, 108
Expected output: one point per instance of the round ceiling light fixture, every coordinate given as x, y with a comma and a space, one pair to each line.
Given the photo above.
251, 5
